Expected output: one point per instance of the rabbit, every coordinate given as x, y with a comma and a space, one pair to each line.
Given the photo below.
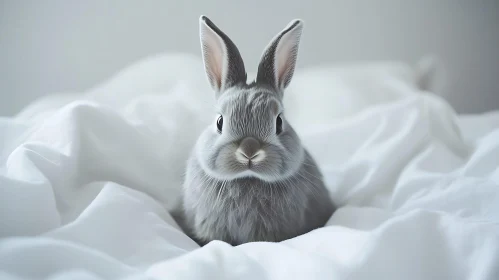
248, 177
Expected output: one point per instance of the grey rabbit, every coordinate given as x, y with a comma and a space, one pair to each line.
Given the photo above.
248, 177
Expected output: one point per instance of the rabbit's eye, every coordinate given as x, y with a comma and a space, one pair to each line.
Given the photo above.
278, 124
220, 123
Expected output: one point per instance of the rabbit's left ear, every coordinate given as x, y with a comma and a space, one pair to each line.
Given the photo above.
222, 60
277, 64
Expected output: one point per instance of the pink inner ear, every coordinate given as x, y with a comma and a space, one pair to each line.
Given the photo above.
285, 57
214, 56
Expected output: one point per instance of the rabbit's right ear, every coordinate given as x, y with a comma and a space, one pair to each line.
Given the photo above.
222, 60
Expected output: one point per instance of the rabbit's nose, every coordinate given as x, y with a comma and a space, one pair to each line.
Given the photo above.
249, 147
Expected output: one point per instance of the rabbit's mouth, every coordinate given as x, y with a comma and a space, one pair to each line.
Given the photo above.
260, 166
252, 160
264, 161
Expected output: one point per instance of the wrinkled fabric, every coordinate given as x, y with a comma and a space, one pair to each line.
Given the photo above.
87, 179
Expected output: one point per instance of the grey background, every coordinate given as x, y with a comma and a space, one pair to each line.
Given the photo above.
59, 46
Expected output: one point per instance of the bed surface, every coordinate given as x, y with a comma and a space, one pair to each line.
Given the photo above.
86, 180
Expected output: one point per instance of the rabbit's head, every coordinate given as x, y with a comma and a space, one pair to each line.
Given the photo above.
249, 135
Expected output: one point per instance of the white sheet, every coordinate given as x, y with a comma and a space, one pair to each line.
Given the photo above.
85, 180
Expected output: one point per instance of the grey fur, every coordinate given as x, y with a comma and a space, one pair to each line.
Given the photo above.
229, 199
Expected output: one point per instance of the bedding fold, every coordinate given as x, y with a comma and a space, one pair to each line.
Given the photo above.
87, 180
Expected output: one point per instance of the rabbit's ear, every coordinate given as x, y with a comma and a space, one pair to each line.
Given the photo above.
278, 61
222, 61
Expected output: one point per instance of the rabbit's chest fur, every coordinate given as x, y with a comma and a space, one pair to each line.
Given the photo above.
249, 209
